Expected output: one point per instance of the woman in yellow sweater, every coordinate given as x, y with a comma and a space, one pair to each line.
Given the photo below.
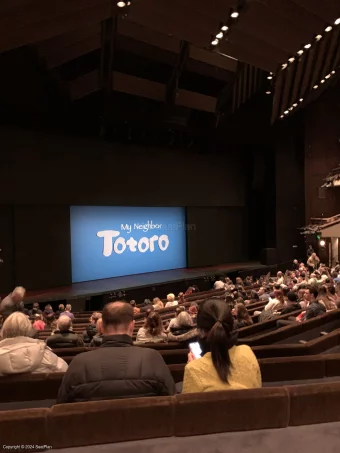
224, 365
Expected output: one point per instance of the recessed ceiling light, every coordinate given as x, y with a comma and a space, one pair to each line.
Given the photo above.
269, 77
329, 28
234, 15
214, 42
128, 3
291, 60
286, 112
284, 65
224, 28
315, 87
281, 116
318, 37
219, 35
290, 109
337, 22
301, 100
322, 81
294, 105
268, 92
121, 4
333, 72
300, 52
327, 76
307, 46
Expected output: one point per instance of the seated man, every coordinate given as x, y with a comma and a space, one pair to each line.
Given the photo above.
117, 369
64, 337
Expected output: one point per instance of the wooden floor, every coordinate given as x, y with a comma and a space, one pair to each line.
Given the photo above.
129, 282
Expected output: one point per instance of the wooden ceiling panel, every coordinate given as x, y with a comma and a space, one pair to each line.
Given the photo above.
245, 55
217, 9
213, 59
329, 10
271, 27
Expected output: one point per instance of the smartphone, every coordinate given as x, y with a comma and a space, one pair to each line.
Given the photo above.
196, 350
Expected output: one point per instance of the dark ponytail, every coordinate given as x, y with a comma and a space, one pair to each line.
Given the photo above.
216, 321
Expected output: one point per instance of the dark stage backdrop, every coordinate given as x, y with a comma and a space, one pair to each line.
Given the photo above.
216, 235
42, 175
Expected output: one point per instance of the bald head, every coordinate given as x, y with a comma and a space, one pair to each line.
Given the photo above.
64, 323
117, 319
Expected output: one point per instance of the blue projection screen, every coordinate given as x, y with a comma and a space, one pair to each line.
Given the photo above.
109, 241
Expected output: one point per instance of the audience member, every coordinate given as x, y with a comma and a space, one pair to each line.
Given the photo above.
51, 322
94, 375
47, 310
35, 310
291, 304
61, 309
219, 283
224, 366
315, 308
136, 310
13, 302
184, 332
242, 317
64, 337
324, 299
153, 331
38, 323
67, 312
193, 310
91, 329
173, 321
157, 303
97, 339
171, 302
313, 262
20, 353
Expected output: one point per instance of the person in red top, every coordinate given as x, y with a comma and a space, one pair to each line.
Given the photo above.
38, 322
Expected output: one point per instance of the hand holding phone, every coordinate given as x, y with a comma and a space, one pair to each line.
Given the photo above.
195, 349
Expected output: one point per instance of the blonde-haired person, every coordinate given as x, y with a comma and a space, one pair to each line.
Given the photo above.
20, 353
184, 332
157, 303
171, 302
13, 302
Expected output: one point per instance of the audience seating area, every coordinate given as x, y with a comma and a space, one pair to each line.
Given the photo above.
300, 367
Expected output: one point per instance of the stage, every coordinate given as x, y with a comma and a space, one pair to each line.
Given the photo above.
131, 283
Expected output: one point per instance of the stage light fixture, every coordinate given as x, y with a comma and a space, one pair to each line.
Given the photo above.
318, 37
308, 46
329, 28
315, 87
300, 52
291, 60
337, 22
269, 77
234, 15
224, 28
327, 76
121, 4
214, 42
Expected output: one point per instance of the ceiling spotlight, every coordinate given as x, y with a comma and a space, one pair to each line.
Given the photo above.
337, 22
308, 46
128, 3
284, 65
322, 81
121, 4
318, 37
224, 28
301, 100
329, 28
291, 60
286, 112
333, 72
315, 87
327, 76
281, 116
219, 35
294, 105
234, 15
268, 92
270, 77
300, 52
214, 42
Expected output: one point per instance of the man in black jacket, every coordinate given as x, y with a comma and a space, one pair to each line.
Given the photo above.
64, 337
117, 369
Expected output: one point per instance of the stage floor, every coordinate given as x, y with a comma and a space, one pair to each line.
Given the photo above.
97, 287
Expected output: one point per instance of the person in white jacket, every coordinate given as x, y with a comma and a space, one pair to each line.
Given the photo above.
19, 353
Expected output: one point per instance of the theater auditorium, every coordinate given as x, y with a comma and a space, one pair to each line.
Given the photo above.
169, 226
